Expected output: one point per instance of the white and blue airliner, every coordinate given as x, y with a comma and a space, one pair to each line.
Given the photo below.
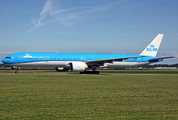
81, 62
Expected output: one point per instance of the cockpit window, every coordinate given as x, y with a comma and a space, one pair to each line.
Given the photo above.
8, 57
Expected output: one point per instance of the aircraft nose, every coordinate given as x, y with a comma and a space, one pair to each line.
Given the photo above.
4, 61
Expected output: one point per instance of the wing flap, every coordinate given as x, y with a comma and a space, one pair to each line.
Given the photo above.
102, 61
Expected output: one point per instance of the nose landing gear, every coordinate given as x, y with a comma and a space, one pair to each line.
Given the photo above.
16, 69
17, 72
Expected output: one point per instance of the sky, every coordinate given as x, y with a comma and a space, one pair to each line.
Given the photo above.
88, 26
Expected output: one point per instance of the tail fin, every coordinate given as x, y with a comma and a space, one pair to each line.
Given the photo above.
152, 48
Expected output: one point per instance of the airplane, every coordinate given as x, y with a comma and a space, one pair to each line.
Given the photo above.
81, 62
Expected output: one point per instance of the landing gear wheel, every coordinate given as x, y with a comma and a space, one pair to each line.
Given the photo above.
90, 72
16, 71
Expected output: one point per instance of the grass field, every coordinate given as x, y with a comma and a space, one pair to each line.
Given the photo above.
33, 96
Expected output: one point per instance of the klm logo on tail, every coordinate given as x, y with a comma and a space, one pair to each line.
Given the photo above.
151, 48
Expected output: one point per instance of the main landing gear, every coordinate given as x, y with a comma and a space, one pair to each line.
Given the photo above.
91, 72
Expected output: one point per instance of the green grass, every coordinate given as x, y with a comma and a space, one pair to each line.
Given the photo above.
89, 97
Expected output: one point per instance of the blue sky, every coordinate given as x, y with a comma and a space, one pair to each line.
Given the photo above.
88, 26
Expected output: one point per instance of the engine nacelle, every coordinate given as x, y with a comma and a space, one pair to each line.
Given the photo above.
78, 66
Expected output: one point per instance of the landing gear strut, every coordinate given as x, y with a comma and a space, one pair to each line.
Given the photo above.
16, 69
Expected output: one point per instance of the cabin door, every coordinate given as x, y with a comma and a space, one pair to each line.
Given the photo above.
21, 59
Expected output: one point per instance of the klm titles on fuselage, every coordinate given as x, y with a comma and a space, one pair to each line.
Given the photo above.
152, 48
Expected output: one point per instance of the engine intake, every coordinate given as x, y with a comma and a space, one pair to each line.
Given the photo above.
78, 66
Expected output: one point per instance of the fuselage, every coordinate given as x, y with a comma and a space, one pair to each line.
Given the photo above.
81, 62
30, 59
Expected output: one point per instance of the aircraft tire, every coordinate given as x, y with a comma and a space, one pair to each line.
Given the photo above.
17, 72
90, 72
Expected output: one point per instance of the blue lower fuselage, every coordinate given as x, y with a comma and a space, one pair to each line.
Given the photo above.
62, 59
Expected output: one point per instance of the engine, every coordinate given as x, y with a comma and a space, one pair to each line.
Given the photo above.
78, 66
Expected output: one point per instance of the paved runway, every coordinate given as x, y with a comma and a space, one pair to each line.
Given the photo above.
82, 74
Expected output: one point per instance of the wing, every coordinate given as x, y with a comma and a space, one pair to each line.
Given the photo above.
101, 62
162, 58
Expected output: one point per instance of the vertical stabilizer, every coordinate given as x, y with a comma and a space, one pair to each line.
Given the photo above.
152, 48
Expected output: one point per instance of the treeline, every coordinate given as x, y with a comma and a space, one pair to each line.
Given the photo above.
160, 65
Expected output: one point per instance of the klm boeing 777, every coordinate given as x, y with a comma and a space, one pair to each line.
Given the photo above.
80, 62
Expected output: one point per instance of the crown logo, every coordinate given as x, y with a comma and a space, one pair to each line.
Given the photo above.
152, 46
27, 56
